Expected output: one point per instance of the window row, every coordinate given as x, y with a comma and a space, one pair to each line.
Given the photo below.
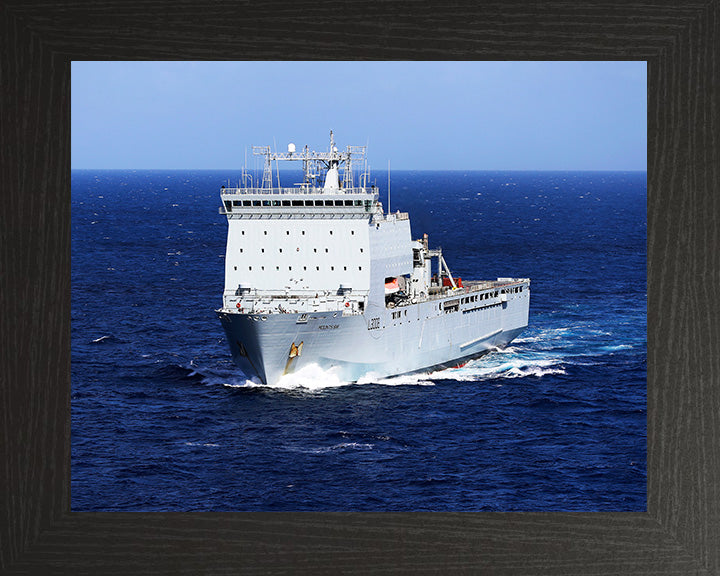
332, 268
279, 203
287, 232
262, 250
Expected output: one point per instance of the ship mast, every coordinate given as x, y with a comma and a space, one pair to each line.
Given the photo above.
317, 163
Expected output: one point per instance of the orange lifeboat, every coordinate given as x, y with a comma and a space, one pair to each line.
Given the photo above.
391, 287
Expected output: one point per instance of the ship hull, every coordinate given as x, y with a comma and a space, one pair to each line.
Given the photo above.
371, 345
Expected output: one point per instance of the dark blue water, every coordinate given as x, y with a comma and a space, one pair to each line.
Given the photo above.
161, 419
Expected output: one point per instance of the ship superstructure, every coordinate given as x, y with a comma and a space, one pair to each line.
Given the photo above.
318, 273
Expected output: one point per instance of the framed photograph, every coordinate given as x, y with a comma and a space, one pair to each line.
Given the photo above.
674, 533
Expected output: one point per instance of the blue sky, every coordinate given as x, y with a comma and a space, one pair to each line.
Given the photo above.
417, 115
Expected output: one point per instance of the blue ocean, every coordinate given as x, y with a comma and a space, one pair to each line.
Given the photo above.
163, 421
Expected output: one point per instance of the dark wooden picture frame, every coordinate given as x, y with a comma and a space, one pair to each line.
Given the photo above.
679, 533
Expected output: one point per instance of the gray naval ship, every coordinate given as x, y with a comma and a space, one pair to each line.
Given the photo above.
318, 273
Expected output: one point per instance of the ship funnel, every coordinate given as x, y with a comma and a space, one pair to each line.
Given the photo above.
332, 180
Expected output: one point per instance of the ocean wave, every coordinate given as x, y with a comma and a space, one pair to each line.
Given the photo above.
417, 379
178, 372
502, 364
342, 447
107, 339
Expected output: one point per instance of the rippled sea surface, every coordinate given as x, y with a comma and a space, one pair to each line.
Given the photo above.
162, 420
